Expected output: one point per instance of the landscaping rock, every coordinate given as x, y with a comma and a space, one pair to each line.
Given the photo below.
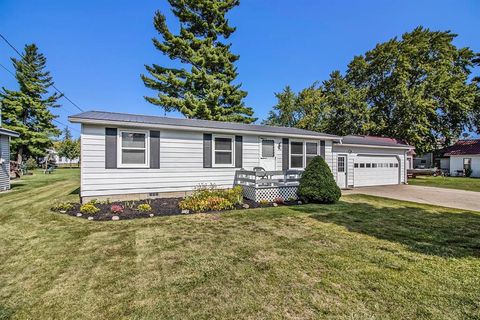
185, 211
63, 211
90, 218
79, 214
275, 204
115, 218
245, 206
300, 202
151, 215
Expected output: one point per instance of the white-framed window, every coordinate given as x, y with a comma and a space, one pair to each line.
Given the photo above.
311, 151
223, 151
296, 155
133, 146
302, 152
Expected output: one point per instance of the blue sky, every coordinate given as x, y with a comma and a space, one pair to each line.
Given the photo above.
96, 50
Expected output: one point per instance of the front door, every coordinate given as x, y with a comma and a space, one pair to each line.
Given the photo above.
267, 154
342, 171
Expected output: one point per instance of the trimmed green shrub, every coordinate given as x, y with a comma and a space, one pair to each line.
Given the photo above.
317, 183
89, 208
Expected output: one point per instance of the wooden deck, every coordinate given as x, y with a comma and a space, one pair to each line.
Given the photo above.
268, 185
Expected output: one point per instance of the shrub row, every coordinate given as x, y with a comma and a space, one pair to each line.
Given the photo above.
212, 199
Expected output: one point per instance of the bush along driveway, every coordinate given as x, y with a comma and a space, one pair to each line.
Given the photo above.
364, 257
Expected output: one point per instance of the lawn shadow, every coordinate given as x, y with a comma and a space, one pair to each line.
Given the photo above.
15, 184
76, 191
5, 313
440, 233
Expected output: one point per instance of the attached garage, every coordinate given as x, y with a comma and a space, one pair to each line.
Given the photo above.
375, 170
361, 161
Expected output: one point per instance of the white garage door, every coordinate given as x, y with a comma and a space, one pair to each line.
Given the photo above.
375, 171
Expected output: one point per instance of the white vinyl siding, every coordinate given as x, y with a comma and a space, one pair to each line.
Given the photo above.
181, 164
456, 163
5, 166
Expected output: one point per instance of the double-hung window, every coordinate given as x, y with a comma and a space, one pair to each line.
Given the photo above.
301, 153
223, 151
133, 148
311, 151
296, 155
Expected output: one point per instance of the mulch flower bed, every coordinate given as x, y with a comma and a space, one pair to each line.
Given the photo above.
160, 207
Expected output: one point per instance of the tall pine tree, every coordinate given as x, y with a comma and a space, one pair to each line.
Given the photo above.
206, 90
27, 110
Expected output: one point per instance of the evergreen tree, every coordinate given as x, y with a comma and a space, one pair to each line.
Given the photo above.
206, 91
285, 113
27, 110
67, 134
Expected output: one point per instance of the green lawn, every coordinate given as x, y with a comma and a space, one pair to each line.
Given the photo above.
471, 184
363, 258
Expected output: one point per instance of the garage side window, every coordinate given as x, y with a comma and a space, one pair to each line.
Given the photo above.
296, 155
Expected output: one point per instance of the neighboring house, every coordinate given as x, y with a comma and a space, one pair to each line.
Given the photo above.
61, 160
5, 136
462, 155
423, 161
136, 156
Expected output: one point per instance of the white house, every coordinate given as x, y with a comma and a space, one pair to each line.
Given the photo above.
5, 136
137, 156
463, 155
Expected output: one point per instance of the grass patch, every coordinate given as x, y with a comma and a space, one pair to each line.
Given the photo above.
461, 183
364, 257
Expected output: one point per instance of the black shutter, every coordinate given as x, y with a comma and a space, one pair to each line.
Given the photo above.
154, 149
238, 151
207, 150
322, 149
285, 148
110, 148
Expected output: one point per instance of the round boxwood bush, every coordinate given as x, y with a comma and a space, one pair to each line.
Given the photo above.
317, 183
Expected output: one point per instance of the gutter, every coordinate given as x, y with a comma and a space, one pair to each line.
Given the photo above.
202, 129
375, 146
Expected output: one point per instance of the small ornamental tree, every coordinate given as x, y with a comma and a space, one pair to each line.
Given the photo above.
317, 183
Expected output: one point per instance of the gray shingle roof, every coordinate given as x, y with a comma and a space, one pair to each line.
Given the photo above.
10, 133
156, 120
374, 141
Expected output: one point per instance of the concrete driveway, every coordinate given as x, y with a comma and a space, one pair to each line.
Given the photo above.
460, 199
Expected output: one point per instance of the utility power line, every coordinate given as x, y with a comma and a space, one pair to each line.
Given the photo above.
58, 90
63, 124
6, 69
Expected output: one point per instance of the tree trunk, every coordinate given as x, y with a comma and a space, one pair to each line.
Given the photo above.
20, 156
